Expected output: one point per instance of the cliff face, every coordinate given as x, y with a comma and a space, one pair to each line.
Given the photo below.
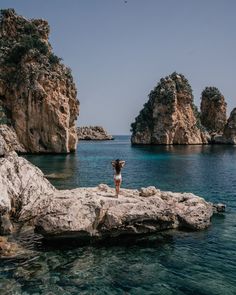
229, 134
37, 92
93, 133
213, 110
169, 116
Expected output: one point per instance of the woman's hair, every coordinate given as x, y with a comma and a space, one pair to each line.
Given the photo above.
118, 164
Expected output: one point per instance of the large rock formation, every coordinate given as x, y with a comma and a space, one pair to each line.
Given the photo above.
169, 116
37, 92
27, 196
229, 134
93, 133
213, 110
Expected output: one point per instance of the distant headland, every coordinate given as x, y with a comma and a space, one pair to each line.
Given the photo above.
93, 133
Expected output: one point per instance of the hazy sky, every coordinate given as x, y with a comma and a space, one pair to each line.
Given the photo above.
118, 51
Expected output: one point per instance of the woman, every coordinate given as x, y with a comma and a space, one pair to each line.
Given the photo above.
118, 165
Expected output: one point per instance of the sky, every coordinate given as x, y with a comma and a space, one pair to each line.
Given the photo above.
118, 51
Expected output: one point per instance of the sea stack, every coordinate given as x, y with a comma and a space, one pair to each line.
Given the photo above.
37, 92
213, 110
169, 116
229, 134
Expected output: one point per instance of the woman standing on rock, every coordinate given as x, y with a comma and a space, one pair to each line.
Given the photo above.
118, 165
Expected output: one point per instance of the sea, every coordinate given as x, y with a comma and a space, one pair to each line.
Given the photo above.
168, 263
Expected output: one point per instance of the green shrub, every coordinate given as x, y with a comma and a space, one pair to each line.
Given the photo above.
53, 59
26, 43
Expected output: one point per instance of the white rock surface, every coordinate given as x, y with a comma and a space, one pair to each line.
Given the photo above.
27, 196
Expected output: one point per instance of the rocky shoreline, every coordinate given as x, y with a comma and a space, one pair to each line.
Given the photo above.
93, 133
28, 198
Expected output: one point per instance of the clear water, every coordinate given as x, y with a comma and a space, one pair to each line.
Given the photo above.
170, 263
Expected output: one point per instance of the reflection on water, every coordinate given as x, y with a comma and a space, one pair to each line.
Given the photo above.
170, 263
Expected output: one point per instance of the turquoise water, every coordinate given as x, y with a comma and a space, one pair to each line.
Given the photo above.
173, 262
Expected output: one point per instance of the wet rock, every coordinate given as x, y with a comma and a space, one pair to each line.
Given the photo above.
6, 227
218, 208
7, 248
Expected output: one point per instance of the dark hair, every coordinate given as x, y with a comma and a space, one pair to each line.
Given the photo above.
117, 166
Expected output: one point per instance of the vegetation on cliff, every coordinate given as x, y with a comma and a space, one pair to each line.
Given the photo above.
169, 116
37, 92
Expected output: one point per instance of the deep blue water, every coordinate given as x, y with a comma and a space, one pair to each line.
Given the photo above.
170, 263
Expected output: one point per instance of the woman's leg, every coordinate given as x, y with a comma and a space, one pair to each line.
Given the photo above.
117, 184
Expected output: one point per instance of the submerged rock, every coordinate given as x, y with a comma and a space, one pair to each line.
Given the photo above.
93, 133
93, 213
37, 92
8, 248
169, 116
213, 110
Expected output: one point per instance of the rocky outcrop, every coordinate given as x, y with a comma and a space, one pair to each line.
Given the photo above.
8, 135
93, 133
37, 92
213, 110
229, 134
92, 213
169, 116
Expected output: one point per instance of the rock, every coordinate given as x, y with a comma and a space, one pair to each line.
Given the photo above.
213, 110
58, 175
6, 227
218, 208
169, 116
37, 92
229, 134
12, 143
148, 191
93, 213
7, 248
24, 190
93, 133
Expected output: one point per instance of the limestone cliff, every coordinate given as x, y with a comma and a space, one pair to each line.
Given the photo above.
37, 92
213, 110
229, 134
93, 133
169, 116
